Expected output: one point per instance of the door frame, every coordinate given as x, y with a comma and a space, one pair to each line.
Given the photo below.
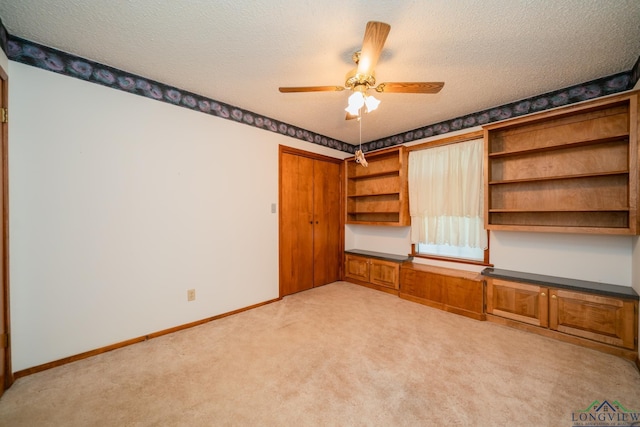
283, 149
6, 373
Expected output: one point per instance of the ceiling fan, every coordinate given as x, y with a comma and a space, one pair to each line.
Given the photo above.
362, 78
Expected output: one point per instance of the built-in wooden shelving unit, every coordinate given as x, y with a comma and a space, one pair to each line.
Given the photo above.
573, 169
377, 194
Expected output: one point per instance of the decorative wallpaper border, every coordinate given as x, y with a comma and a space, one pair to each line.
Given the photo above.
50, 59
4, 37
594, 89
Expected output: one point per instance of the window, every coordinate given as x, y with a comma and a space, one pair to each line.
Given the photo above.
446, 202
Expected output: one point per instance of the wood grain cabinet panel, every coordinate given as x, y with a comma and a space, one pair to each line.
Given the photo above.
518, 301
384, 273
595, 317
374, 269
356, 267
456, 291
416, 284
464, 294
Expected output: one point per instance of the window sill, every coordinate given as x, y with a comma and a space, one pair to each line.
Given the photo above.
449, 259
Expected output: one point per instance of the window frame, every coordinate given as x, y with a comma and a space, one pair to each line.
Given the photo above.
447, 141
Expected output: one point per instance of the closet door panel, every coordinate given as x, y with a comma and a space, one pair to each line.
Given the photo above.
326, 232
296, 245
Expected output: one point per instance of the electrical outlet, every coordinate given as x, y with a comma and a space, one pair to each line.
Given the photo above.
191, 295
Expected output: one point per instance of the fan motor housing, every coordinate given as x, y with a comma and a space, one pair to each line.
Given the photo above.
354, 79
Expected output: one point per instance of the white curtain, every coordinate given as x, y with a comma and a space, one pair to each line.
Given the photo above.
446, 195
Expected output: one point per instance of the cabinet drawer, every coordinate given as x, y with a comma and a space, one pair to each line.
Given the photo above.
599, 318
518, 301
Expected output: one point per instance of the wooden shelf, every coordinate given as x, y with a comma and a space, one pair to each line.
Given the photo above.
574, 169
562, 146
559, 177
374, 194
376, 175
560, 210
377, 194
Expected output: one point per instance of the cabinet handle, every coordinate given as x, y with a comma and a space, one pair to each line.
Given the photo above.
543, 294
553, 297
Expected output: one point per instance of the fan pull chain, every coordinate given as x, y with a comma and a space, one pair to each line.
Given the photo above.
360, 124
359, 154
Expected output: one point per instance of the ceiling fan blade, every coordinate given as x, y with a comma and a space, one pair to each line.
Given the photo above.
310, 89
375, 34
350, 116
410, 87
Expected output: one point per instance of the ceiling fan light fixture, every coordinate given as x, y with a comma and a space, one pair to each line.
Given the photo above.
371, 102
356, 101
362, 78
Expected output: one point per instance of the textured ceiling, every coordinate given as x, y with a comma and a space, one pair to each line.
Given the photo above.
239, 52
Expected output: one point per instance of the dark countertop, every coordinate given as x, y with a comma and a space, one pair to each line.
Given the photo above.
563, 283
379, 255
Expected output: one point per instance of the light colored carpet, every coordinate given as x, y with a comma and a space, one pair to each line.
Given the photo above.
338, 355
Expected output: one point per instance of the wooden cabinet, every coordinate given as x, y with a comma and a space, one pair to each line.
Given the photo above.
518, 301
377, 194
380, 271
310, 220
578, 311
384, 273
573, 169
456, 291
595, 317
356, 267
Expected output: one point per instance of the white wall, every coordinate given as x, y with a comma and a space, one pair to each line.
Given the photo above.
597, 258
119, 204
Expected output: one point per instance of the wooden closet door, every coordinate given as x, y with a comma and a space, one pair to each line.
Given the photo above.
296, 223
326, 232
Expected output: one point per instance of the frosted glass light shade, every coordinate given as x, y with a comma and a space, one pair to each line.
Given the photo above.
371, 103
357, 100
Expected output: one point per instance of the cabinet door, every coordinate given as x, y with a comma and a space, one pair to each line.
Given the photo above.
384, 273
296, 224
356, 267
327, 250
599, 318
518, 301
